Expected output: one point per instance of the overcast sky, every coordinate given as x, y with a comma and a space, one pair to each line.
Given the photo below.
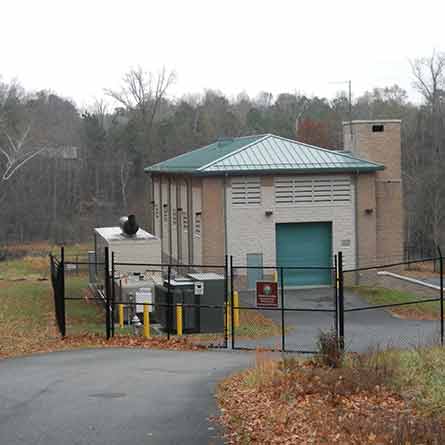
76, 47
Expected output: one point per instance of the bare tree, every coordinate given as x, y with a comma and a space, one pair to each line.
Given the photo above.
14, 148
142, 91
429, 80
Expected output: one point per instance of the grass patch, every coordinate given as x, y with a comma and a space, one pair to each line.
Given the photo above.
420, 376
26, 305
418, 311
253, 324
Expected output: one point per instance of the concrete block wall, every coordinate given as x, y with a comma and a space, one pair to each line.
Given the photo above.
249, 230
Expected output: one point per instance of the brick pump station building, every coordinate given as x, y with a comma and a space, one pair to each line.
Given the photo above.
272, 201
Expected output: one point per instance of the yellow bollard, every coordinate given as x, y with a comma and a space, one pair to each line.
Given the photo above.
275, 276
121, 316
179, 319
146, 322
236, 309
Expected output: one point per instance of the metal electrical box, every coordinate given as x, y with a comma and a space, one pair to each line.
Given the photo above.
209, 288
197, 290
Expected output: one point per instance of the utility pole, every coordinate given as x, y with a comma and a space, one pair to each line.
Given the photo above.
349, 82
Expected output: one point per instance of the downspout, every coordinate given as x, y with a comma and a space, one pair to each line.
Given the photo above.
357, 244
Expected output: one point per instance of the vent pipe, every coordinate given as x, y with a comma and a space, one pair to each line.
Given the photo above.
128, 225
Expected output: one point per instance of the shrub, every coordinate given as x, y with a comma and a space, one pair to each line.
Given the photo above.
329, 352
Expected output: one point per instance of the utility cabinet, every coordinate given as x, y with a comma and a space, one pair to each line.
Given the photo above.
198, 290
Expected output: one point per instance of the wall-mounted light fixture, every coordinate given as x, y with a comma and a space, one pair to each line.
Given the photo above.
369, 211
268, 212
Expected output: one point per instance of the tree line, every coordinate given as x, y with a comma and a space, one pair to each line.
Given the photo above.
65, 170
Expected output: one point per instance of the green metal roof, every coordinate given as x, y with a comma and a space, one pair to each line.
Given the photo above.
262, 153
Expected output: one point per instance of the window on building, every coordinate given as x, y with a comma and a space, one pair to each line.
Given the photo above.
300, 191
378, 128
157, 211
198, 225
246, 191
174, 216
185, 222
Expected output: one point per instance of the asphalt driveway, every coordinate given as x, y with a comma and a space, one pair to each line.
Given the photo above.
113, 396
363, 330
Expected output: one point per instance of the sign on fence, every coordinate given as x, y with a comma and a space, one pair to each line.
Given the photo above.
267, 294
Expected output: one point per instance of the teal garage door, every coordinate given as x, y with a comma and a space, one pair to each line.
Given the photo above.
305, 244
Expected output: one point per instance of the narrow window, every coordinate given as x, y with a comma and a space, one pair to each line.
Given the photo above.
198, 225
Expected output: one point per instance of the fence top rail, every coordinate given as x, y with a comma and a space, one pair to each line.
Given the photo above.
401, 263
286, 267
172, 265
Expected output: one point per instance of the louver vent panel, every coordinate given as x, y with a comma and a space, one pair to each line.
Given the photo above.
290, 191
246, 191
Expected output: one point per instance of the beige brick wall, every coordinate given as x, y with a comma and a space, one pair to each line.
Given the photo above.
173, 218
184, 225
366, 220
213, 220
197, 208
251, 231
388, 216
390, 224
382, 147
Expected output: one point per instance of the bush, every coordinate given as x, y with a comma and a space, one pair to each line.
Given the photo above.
329, 352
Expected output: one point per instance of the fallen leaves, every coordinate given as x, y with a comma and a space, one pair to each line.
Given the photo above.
319, 406
50, 344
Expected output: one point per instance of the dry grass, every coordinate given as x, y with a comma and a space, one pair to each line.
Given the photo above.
300, 402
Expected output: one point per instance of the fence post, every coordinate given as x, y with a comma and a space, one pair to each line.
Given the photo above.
169, 303
107, 294
283, 334
341, 301
441, 295
336, 296
113, 295
62, 292
231, 302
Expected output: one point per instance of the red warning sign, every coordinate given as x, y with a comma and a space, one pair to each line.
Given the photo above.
267, 294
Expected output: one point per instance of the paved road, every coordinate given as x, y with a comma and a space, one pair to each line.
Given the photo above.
363, 330
113, 396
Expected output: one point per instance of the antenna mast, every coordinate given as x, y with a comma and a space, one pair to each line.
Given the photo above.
349, 82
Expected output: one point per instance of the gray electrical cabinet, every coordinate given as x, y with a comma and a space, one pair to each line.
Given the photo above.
181, 292
197, 290
209, 288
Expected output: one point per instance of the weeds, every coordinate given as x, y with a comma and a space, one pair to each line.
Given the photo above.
329, 352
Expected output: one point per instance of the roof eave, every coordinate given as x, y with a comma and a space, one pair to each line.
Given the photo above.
362, 169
